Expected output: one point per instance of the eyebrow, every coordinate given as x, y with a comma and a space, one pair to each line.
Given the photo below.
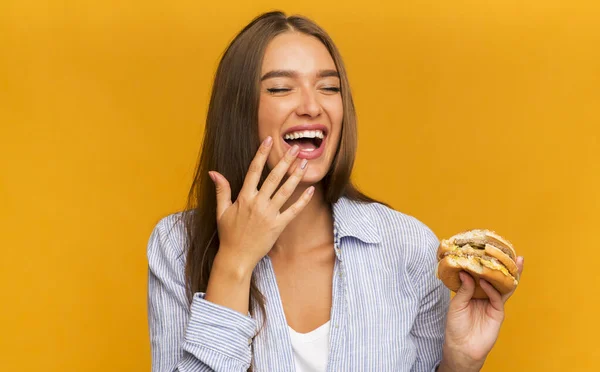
294, 74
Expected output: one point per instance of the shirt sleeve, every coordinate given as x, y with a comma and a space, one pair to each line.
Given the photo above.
185, 337
429, 327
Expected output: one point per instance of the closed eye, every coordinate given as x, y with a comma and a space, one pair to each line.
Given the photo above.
278, 90
285, 90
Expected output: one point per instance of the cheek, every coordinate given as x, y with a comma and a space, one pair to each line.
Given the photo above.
264, 119
268, 125
335, 111
271, 116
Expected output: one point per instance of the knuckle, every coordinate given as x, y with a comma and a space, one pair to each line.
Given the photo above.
294, 209
273, 179
263, 150
261, 216
243, 200
286, 191
276, 228
289, 159
254, 168
266, 217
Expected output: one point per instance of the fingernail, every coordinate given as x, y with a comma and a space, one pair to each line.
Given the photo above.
268, 141
294, 150
303, 164
212, 176
310, 190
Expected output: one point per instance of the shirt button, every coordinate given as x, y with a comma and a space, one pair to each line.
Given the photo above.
249, 341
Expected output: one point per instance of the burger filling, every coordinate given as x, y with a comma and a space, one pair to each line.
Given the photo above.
478, 255
481, 242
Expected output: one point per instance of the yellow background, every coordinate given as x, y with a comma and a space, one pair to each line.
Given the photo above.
472, 114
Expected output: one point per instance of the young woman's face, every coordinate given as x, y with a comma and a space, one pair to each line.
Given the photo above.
300, 102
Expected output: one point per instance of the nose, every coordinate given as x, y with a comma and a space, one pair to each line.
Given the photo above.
309, 104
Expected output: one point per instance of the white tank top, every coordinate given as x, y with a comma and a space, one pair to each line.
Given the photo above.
311, 349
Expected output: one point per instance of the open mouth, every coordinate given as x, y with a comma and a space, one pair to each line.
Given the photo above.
308, 140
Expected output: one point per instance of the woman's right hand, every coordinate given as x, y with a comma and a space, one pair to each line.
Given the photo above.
250, 226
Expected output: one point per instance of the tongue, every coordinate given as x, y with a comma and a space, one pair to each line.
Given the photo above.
304, 143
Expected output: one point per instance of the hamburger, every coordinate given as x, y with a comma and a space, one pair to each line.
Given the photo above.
482, 254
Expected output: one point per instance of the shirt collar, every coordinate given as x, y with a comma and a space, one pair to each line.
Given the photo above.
356, 219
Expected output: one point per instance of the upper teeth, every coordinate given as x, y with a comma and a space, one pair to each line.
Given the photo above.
305, 134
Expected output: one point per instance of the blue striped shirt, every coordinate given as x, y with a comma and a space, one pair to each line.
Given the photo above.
388, 308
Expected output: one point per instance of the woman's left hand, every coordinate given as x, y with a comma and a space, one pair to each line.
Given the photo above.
473, 325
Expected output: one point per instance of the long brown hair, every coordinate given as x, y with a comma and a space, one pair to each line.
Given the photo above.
231, 140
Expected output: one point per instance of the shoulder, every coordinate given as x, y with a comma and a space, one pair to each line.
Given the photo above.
374, 222
397, 226
167, 242
404, 236
411, 242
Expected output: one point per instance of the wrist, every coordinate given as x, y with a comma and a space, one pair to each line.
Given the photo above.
231, 268
229, 283
456, 361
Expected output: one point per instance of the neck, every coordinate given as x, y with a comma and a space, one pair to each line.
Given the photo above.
312, 228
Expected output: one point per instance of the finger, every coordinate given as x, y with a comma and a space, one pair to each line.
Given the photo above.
277, 174
466, 290
294, 209
520, 266
256, 166
493, 295
295, 165
223, 192
283, 194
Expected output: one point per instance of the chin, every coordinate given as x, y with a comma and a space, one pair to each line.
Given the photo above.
313, 176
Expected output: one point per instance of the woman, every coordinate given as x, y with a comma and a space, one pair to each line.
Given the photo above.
279, 262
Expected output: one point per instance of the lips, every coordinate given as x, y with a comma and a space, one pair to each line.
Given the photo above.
307, 146
303, 154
